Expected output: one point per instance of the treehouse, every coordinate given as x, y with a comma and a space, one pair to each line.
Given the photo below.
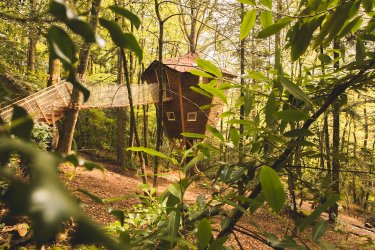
185, 110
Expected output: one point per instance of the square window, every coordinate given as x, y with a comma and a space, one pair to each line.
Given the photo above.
192, 116
170, 116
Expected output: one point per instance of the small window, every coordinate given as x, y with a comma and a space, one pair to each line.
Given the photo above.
192, 116
170, 116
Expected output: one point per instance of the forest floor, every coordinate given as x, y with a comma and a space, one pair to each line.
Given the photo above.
349, 233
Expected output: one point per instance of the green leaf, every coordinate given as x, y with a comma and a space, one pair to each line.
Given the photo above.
325, 58
151, 152
77, 83
193, 135
200, 91
319, 229
218, 243
133, 45
204, 233
134, 19
303, 36
300, 143
292, 115
214, 91
274, 28
92, 196
249, 2
333, 24
175, 190
294, 90
209, 67
61, 46
122, 40
272, 187
198, 72
174, 222
247, 24
83, 29
21, 124
215, 133
270, 109
326, 245
257, 75
58, 9
119, 214
265, 18
298, 133
266, 3
351, 26
234, 136
317, 212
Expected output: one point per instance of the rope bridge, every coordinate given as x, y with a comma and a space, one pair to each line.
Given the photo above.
49, 104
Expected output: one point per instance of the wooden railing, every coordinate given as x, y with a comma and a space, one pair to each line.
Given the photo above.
49, 104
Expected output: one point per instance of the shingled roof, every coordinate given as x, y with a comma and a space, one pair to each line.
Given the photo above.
182, 64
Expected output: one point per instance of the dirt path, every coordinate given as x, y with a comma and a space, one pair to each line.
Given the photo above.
114, 183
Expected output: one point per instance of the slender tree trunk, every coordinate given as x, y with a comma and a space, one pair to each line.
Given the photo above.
31, 52
159, 117
333, 211
121, 116
193, 26
242, 69
71, 114
354, 187
132, 114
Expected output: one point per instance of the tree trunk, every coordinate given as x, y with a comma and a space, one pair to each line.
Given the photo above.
121, 117
132, 115
31, 52
54, 71
333, 211
71, 114
159, 116
242, 69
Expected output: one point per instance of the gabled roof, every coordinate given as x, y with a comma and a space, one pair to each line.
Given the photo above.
182, 64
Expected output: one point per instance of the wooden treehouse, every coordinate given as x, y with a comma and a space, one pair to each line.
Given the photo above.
183, 112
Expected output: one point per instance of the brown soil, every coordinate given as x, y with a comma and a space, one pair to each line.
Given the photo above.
115, 182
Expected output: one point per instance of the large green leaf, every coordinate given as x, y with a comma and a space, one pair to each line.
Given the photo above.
270, 109
265, 18
61, 46
122, 40
234, 136
215, 133
294, 90
198, 72
204, 233
151, 152
193, 135
292, 115
21, 124
209, 67
274, 28
303, 36
214, 91
134, 19
272, 187
247, 24
319, 229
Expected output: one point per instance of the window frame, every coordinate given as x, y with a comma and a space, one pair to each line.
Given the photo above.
168, 116
194, 119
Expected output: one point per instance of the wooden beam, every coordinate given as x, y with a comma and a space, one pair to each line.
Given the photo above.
41, 110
